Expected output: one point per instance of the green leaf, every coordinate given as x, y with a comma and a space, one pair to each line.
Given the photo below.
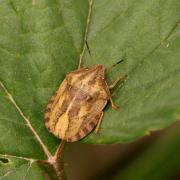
37, 47
41, 41
20, 169
147, 35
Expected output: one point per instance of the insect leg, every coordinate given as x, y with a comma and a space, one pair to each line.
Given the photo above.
114, 106
119, 78
111, 86
99, 122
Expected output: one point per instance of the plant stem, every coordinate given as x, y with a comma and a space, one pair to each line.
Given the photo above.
56, 162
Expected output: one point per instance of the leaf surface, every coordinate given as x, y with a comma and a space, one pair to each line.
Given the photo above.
41, 41
147, 36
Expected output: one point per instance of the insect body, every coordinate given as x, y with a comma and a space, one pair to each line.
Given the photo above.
77, 107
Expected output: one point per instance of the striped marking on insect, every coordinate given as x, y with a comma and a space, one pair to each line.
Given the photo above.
76, 109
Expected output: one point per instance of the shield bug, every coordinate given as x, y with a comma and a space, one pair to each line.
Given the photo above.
77, 106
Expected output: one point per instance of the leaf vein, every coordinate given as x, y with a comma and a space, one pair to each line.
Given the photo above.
45, 149
16, 157
6, 174
86, 32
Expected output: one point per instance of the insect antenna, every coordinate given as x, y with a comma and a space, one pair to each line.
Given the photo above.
114, 65
88, 48
89, 51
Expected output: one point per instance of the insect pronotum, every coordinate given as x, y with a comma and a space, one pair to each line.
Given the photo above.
77, 106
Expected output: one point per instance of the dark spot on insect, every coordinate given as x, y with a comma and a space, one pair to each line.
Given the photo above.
69, 140
47, 109
96, 94
51, 101
48, 128
69, 78
73, 112
85, 130
78, 136
88, 98
64, 106
70, 87
91, 124
47, 119
92, 81
97, 116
